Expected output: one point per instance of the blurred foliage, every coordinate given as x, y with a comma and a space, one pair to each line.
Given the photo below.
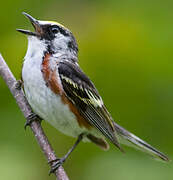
126, 48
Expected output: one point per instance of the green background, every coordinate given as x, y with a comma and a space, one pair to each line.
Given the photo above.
126, 48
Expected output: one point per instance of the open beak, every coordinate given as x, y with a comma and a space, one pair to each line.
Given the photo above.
36, 25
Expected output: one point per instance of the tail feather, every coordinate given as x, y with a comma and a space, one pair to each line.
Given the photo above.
131, 139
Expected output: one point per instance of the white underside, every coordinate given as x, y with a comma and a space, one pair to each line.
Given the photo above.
43, 101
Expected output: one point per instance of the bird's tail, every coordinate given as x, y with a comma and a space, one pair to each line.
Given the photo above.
130, 139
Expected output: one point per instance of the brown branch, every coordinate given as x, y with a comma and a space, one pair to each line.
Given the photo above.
26, 109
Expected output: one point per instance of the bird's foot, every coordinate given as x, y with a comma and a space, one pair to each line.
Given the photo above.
32, 117
18, 84
55, 164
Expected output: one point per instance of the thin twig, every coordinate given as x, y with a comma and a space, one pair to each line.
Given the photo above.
26, 109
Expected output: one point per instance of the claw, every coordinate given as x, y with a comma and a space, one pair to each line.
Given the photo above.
32, 117
54, 167
52, 161
18, 84
55, 164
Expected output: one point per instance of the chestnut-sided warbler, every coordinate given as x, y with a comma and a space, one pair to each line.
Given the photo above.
60, 93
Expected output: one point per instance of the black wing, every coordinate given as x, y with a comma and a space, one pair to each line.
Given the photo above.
82, 93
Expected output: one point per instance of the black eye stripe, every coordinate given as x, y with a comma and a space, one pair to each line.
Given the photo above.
49, 28
50, 31
55, 30
54, 26
60, 29
63, 31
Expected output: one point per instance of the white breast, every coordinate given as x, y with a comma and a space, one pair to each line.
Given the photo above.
42, 100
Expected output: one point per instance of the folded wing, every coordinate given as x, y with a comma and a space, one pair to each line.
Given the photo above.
82, 93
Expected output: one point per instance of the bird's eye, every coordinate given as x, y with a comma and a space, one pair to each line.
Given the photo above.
54, 30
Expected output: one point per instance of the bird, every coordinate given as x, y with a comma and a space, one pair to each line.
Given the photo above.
60, 93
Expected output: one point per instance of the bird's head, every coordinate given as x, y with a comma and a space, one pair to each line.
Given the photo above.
55, 36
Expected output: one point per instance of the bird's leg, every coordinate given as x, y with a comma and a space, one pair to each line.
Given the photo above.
32, 117
60, 161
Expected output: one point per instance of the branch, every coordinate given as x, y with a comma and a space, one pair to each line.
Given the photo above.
35, 125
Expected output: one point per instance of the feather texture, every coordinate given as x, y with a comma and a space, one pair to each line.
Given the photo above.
132, 140
81, 92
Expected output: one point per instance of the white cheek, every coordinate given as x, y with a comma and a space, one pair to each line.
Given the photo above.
61, 42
